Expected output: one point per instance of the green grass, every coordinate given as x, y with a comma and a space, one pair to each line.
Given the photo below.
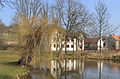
79, 52
8, 68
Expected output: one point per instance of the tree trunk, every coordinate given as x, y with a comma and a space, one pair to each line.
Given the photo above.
73, 46
76, 45
25, 59
65, 45
100, 71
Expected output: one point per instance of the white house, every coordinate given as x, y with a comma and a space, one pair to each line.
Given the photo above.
93, 43
73, 44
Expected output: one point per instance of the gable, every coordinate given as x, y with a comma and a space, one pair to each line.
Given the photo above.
112, 37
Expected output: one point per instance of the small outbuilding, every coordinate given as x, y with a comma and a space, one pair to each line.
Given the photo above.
93, 44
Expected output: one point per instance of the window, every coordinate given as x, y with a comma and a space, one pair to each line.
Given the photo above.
63, 39
63, 46
80, 47
57, 45
67, 46
68, 40
72, 40
80, 41
54, 45
72, 46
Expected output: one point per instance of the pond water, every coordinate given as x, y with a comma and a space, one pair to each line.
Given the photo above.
77, 69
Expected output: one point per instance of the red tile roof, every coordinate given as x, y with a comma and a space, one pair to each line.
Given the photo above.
119, 36
114, 36
91, 40
106, 37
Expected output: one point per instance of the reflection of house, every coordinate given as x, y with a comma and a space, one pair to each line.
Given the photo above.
55, 69
93, 43
112, 42
73, 44
58, 68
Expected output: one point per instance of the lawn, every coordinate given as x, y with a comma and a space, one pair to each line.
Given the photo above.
8, 68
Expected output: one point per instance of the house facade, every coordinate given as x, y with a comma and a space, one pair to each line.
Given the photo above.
112, 42
93, 44
73, 44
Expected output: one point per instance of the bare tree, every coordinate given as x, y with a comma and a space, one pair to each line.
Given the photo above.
34, 28
28, 12
72, 15
3, 28
1, 3
101, 26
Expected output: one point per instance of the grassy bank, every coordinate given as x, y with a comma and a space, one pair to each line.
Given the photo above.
111, 55
8, 68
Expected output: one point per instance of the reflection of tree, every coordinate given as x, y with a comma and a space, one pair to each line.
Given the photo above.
100, 65
60, 67
65, 68
100, 71
81, 68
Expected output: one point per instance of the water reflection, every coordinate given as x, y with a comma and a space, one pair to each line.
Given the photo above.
78, 69
66, 69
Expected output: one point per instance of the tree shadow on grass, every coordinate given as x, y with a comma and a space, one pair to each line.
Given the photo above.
9, 63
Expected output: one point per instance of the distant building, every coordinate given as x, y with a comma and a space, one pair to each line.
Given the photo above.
93, 44
73, 43
112, 42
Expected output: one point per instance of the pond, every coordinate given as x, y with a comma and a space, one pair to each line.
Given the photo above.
77, 69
